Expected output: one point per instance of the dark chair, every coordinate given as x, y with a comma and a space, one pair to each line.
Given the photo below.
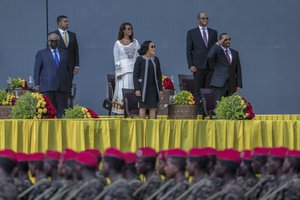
186, 82
107, 103
130, 103
208, 102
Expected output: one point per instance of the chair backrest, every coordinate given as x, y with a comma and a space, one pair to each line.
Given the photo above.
186, 82
130, 102
208, 101
112, 80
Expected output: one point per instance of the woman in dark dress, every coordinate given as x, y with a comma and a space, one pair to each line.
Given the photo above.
147, 79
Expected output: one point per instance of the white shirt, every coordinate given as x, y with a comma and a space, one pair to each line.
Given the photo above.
229, 52
62, 33
57, 52
206, 31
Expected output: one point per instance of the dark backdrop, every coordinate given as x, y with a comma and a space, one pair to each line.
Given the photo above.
264, 32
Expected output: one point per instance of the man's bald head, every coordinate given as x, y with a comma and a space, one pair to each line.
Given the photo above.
53, 40
53, 36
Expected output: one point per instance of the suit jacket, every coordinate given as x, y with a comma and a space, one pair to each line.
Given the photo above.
196, 51
222, 70
72, 49
49, 76
140, 75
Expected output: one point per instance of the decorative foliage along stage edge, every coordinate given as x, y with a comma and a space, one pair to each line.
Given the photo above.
7, 98
234, 107
80, 112
33, 106
184, 98
18, 83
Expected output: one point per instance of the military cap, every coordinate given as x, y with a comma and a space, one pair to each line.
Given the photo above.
54, 155
36, 156
87, 159
278, 152
22, 157
129, 157
8, 153
146, 152
113, 152
246, 155
230, 155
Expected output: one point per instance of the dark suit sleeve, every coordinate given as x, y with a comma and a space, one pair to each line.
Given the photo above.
189, 49
239, 72
159, 75
136, 74
37, 68
211, 56
76, 52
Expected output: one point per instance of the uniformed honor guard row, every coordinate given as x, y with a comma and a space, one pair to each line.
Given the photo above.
173, 174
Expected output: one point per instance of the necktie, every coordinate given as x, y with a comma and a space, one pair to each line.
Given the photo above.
65, 38
204, 36
56, 57
227, 56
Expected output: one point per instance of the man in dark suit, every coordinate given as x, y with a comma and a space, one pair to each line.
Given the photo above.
52, 74
198, 42
227, 76
68, 41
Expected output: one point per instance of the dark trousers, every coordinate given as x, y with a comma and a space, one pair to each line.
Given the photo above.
224, 91
202, 80
59, 100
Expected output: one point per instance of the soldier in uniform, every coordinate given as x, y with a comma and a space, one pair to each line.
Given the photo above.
228, 162
130, 172
86, 165
198, 167
247, 177
51, 170
99, 175
145, 165
274, 168
21, 180
175, 168
113, 166
160, 167
66, 168
36, 168
8, 162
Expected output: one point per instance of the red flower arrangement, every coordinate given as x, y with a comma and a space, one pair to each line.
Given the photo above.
167, 83
51, 111
248, 110
92, 113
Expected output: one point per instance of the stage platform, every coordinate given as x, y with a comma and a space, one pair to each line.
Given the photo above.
129, 134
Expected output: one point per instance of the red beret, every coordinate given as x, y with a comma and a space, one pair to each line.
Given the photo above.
8, 153
293, 153
162, 155
96, 152
230, 154
261, 151
130, 157
22, 157
176, 153
278, 152
197, 152
210, 151
87, 159
113, 152
68, 154
36, 157
246, 155
54, 155
145, 152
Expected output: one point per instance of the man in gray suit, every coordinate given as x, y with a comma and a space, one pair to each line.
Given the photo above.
52, 74
227, 76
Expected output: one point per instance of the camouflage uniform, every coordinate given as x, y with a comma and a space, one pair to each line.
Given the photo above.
22, 185
48, 193
43, 185
248, 183
231, 191
118, 190
147, 189
217, 182
8, 190
101, 178
201, 189
262, 187
66, 187
174, 190
134, 184
86, 190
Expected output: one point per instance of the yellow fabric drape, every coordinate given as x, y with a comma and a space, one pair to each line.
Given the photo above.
129, 134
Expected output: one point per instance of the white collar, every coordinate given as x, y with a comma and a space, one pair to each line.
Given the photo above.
225, 48
62, 31
201, 27
52, 50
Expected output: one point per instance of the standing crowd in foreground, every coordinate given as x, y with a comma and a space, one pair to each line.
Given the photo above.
174, 174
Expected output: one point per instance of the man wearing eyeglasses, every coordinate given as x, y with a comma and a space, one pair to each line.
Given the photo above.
227, 76
198, 42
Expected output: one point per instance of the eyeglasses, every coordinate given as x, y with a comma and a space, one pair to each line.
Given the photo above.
152, 46
53, 40
203, 18
229, 39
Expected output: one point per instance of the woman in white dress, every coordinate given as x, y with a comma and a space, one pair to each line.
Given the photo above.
125, 54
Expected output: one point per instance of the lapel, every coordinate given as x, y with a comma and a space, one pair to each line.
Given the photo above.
223, 56
233, 56
61, 56
53, 63
200, 38
209, 36
61, 39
